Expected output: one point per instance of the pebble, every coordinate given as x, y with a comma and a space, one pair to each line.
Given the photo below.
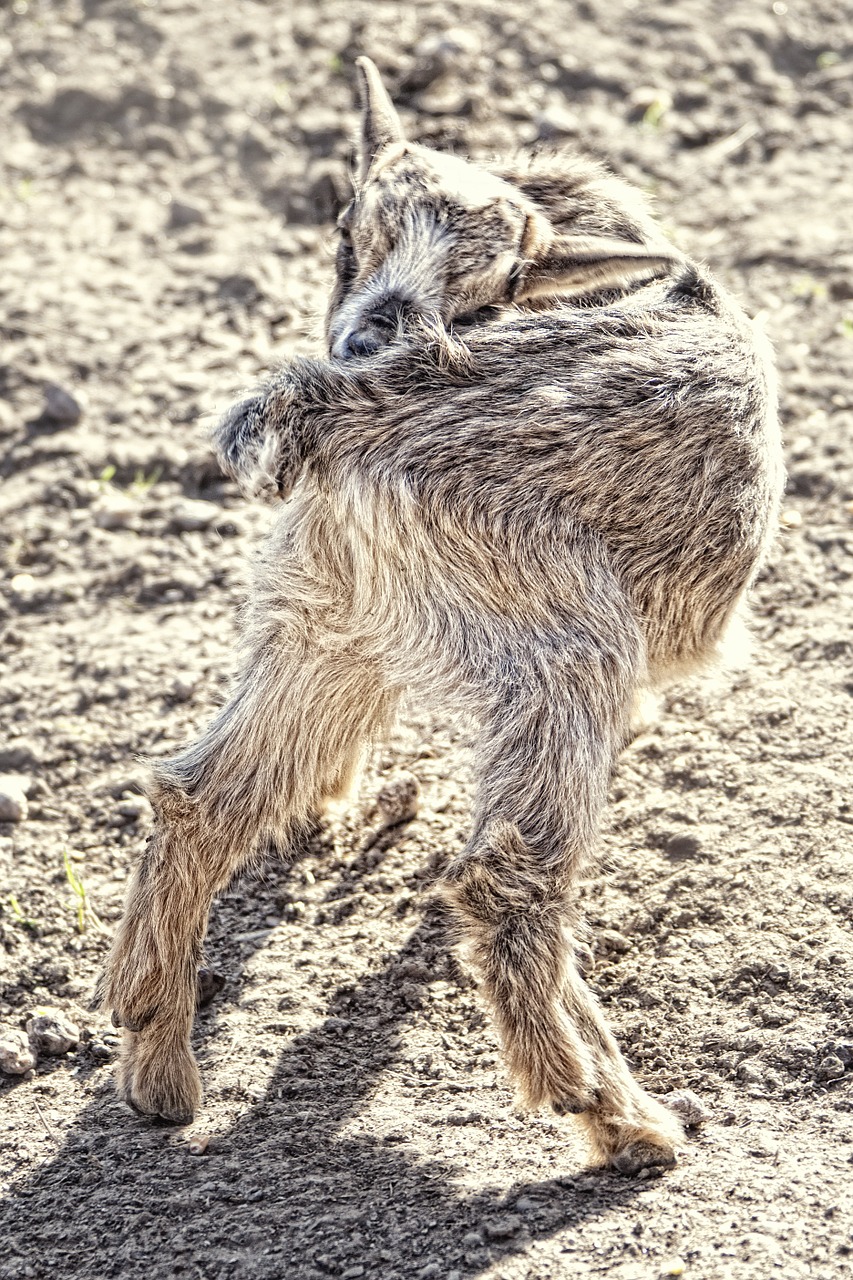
397, 799
557, 122
690, 1109
115, 510
673, 1267
183, 215
60, 406
18, 755
682, 846
790, 519
52, 1033
194, 514
16, 1056
830, 1068
134, 808
198, 1144
13, 798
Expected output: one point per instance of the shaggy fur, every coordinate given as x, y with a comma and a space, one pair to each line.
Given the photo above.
534, 479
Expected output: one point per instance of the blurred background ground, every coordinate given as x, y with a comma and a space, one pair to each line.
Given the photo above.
169, 172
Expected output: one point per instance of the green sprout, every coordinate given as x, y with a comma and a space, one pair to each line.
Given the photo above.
86, 914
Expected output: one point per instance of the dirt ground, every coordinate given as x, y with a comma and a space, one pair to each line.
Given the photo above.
169, 174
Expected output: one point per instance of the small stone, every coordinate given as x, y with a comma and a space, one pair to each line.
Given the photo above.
194, 514
115, 510
198, 1144
51, 1033
134, 808
17, 756
23, 585
750, 1072
16, 1056
557, 122
690, 1109
13, 798
790, 519
673, 1267
830, 1068
682, 846
610, 940
397, 799
60, 406
183, 215
842, 1049
503, 1227
430, 1271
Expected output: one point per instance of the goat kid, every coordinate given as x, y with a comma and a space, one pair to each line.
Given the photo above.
536, 477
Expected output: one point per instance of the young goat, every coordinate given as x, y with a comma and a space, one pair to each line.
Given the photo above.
536, 477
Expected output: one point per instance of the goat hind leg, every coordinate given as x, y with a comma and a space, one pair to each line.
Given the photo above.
544, 770
285, 740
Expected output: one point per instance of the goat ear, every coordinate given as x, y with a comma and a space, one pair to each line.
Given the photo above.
579, 264
380, 123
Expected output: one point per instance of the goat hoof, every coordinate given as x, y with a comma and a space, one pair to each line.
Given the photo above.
637, 1156
209, 986
159, 1079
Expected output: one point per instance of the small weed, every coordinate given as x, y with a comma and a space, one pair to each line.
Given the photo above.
86, 914
808, 287
281, 96
19, 915
655, 112
845, 327
106, 476
25, 189
141, 482
336, 64
828, 59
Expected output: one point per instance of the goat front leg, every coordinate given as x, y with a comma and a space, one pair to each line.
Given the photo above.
288, 739
544, 767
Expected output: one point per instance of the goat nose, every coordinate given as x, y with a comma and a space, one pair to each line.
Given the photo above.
360, 344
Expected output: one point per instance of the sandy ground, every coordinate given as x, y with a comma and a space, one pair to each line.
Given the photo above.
169, 174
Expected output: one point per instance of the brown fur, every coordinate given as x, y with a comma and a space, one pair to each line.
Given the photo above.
542, 490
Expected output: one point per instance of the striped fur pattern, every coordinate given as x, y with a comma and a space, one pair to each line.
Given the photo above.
534, 479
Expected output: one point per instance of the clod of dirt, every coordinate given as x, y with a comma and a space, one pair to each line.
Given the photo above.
13, 798
60, 406
52, 1034
397, 800
16, 1056
503, 1227
689, 1108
